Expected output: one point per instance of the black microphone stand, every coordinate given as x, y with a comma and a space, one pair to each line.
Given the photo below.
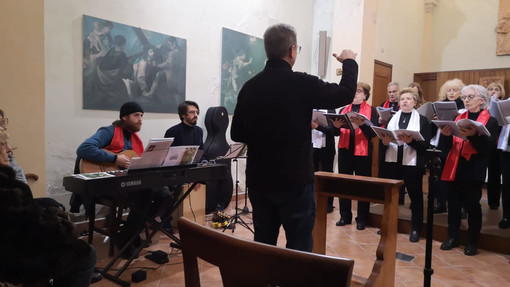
434, 166
236, 218
245, 209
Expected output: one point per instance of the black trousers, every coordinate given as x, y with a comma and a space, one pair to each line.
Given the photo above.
505, 172
143, 205
294, 208
467, 194
494, 177
413, 182
348, 163
323, 160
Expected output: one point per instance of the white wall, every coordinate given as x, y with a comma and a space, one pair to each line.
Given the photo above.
464, 37
399, 37
199, 22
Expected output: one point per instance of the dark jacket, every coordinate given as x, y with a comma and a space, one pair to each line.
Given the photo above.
273, 116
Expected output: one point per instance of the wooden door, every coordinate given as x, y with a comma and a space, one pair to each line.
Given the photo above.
382, 77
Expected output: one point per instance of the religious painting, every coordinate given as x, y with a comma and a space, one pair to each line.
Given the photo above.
503, 29
242, 57
122, 63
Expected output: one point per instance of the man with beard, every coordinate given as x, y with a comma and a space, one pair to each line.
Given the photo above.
106, 145
188, 133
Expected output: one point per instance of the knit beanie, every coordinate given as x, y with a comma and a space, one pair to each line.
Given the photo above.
129, 108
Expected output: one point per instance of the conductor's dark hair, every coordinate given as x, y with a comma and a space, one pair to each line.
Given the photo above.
278, 39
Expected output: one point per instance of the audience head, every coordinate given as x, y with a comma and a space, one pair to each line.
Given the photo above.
393, 88
188, 112
4, 148
475, 97
496, 88
450, 90
407, 94
417, 88
280, 42
131, 114
2, 120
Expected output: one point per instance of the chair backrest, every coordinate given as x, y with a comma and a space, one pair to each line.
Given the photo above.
248, 263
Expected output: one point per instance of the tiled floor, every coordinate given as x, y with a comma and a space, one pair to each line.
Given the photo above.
451, 268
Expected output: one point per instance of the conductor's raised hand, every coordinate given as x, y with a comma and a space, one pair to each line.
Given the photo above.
346, 54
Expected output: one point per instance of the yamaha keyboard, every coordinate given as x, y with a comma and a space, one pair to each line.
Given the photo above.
118, 183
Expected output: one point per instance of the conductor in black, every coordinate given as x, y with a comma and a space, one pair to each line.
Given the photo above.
279, 172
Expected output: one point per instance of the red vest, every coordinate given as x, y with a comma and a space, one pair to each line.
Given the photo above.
461, 148
360, 140
117, 144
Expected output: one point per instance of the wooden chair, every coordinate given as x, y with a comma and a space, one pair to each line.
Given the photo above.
248, 263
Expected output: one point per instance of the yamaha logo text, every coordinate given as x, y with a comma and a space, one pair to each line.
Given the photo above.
130, 183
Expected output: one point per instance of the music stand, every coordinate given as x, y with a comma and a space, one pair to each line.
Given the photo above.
434, 165
237, 150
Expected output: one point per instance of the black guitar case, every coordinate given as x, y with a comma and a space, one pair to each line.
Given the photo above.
219, 192
216, 123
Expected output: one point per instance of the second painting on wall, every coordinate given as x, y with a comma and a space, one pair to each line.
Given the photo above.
242, 57
123, 63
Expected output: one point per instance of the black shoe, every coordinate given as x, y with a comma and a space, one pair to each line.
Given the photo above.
470, 250
96, 276
360, 226
463, 213
504, 223
415, 236
342, 222
439, 208
450, 244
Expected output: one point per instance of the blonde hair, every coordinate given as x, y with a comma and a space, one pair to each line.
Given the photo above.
409, 91
501, 88
456, 83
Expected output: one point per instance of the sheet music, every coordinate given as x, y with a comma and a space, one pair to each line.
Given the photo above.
345, 120
427, 110
236, 150
154, 154
320, 118
446, 111
179, 155
500, 110
384, 113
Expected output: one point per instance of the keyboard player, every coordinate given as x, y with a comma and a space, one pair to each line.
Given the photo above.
107, 145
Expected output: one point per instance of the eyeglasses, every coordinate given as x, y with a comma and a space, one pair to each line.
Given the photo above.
465, 97
298, 48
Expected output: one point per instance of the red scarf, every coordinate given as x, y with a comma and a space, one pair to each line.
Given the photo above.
461, 148
387, 104
117, 144
360, 140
